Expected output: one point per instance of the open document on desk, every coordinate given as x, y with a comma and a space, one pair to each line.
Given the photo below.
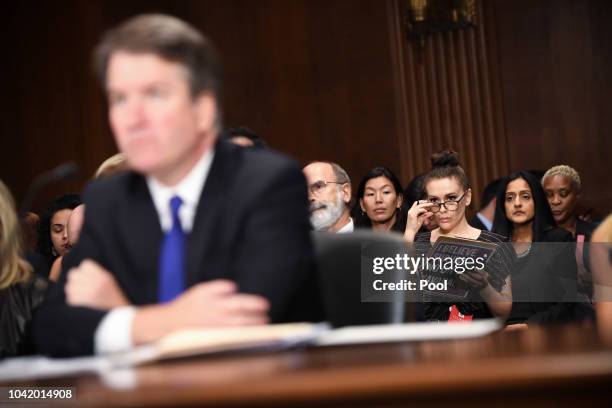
241, 339
388, 333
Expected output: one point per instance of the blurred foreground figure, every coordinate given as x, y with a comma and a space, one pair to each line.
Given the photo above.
199, 232
20, 290
115, 164
601, 264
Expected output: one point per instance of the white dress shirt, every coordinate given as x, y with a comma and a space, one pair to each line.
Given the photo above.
348, 227
488, 224
114, 333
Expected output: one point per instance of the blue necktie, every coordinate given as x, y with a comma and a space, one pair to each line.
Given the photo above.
172, 257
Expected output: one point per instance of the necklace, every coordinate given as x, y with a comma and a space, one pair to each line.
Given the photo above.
524, 253
521, 245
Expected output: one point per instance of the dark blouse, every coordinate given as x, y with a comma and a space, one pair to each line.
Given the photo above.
502, 263
584, 228
17, 302
544, 285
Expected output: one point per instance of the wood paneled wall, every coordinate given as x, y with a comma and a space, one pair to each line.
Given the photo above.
314, 78
450, 97
335, 79
555, 62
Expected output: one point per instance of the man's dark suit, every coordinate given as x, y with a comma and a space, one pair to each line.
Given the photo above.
476, 223
251, 226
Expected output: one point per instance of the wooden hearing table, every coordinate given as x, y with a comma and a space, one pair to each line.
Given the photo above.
554, 366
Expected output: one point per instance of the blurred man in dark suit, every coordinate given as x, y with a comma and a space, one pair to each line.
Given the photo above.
200, 232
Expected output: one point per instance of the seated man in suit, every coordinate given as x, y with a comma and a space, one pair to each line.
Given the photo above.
199, 232
483, 220
330, 196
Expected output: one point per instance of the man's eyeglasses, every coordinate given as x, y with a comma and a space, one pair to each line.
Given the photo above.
317, 187
450, 205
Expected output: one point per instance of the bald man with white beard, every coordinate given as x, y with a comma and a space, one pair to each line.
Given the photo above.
329, 194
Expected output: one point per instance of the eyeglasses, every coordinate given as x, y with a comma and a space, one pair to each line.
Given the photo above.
450, 205
318, 187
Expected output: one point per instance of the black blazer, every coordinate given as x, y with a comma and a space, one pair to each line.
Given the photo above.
251, 226
476, 223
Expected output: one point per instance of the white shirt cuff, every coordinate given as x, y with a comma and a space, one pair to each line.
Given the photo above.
114, 333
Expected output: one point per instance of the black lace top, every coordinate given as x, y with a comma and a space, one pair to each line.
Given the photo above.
17, 302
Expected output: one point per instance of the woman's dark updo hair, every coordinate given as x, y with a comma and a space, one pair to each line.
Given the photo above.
445, 164
415, 190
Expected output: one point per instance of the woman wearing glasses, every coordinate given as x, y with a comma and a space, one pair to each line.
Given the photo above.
380, 201
329, 197
448, 194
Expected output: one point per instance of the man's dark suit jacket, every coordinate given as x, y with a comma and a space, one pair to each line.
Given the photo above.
251, 226
476, 223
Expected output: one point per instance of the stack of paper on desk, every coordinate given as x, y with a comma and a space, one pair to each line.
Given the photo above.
386, 333
207, 341
283, 336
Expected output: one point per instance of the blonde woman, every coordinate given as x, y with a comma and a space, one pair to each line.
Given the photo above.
113, 165
20, 290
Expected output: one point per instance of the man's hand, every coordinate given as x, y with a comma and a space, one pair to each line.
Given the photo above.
91, 285
218, 303
208, 304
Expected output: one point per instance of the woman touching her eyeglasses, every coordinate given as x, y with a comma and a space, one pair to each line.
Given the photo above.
448, 194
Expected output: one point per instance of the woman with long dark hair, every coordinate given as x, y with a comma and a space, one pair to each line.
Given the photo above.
380, 201
53, 232
522, 212
544, 282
